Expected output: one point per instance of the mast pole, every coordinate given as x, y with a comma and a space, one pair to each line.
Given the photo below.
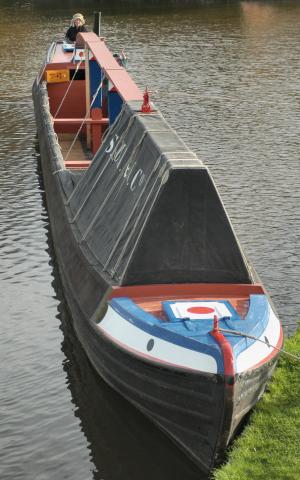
87, 94
97, 23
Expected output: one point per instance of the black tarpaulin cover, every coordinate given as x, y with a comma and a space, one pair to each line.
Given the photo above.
149, 212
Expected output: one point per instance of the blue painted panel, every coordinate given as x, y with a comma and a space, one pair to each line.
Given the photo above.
152, 325
95, 79
114, 105
194, 334
254, 324
131, 311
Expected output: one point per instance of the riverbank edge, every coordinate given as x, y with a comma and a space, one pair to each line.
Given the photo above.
268, 448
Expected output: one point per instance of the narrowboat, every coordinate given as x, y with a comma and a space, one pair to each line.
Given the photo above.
164, 302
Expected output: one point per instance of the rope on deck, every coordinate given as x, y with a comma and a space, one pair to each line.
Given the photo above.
265, 341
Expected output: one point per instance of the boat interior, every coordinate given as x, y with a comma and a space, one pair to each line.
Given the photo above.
196, 302
85, 97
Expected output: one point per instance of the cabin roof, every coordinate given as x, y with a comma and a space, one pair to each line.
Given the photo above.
147, 210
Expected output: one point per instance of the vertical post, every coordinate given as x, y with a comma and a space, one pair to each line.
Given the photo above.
96, 130
97, 23
87, 94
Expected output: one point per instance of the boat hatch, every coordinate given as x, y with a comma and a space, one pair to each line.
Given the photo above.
85, 96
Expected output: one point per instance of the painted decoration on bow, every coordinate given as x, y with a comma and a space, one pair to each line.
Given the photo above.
199, 310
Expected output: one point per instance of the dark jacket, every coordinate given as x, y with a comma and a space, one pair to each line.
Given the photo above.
72, 32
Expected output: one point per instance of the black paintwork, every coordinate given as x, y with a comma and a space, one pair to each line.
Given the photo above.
200, 412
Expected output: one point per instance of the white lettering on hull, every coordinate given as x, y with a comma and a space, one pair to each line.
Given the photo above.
133, 178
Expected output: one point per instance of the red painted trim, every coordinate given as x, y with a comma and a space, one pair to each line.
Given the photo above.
188, 290
77, 164
96, 130
72, 121
227, 353
119, 77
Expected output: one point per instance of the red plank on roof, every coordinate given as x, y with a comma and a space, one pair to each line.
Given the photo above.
124, 84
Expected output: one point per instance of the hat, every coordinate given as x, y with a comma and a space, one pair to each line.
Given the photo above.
78, 16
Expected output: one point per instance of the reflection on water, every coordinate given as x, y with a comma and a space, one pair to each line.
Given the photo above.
227, 79
123, 443
258, 15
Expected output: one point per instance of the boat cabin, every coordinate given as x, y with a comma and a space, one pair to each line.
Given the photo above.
85, 84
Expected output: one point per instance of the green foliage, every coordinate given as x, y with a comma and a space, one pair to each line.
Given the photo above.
268, 449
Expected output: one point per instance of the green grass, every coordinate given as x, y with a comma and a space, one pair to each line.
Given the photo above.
269, 447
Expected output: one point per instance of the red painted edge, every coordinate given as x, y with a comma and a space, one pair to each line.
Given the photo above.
121, 79
77, 164
227, 354
177, 290
88, 121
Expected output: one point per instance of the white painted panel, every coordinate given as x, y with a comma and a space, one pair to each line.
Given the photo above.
182, 310
133, 338
258, 350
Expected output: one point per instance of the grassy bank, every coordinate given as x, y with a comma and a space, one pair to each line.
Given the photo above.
269, 448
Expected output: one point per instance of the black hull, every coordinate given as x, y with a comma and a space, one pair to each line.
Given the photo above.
200, 412
181, 404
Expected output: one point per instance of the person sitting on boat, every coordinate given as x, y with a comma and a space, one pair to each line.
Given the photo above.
77, 25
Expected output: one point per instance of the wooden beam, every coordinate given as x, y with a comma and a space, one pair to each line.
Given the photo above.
75, 164
126, 87
76, 121
87, 93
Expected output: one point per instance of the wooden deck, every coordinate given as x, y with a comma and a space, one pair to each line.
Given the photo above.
150, 297
77, 158
241, 305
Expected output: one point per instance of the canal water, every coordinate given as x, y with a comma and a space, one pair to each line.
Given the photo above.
226, 77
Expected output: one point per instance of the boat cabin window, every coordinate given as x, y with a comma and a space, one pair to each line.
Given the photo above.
79, 75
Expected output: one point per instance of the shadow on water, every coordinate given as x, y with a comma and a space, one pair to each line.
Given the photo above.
123, 443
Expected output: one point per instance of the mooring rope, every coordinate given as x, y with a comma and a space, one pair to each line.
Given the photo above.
265, 341
67, 91
82, 123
